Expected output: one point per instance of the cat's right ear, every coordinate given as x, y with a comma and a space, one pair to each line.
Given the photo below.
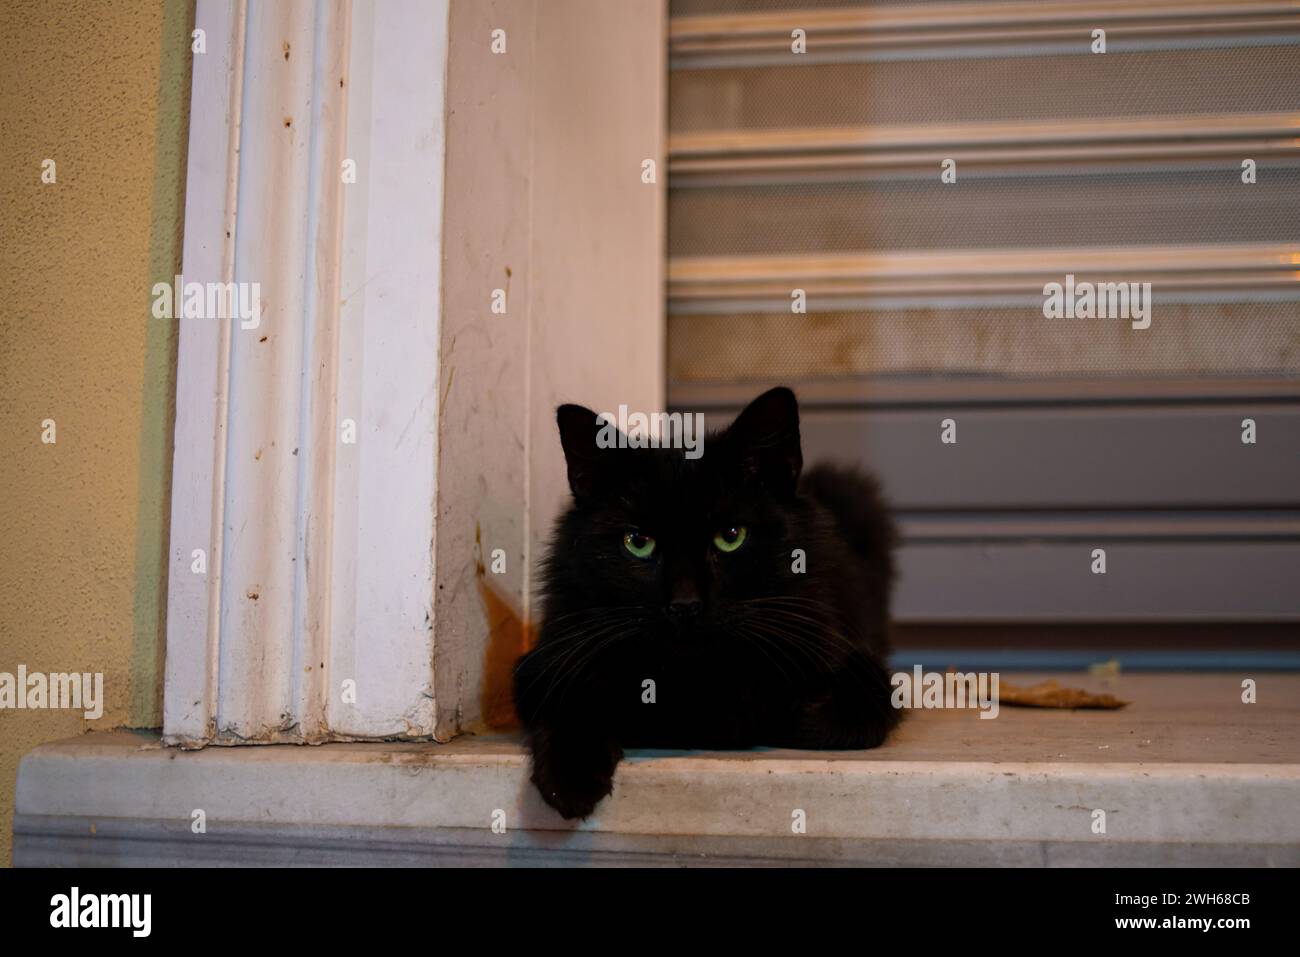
579, 430
766, 439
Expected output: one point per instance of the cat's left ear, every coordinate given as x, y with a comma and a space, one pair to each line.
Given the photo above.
765, 439
586, 440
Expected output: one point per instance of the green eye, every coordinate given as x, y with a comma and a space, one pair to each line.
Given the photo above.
642, 546
729, 539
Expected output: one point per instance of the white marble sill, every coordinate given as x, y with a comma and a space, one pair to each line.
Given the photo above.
1186, 774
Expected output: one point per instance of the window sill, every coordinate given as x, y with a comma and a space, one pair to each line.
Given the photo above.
1186, 775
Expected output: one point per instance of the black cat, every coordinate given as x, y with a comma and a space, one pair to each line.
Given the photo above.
715, 602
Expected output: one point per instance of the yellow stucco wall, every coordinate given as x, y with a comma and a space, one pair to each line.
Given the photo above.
103, 90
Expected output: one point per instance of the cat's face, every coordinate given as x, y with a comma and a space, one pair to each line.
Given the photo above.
682, 547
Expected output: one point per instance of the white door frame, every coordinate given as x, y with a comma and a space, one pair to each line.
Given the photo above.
346, 468
313, 503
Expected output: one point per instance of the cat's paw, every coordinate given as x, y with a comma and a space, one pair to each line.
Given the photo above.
572, 776
574, 802
574, 794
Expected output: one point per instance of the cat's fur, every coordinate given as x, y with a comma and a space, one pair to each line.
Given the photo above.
742, 648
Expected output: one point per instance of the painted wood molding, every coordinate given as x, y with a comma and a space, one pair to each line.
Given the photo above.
311, 498
370, 470
202, 376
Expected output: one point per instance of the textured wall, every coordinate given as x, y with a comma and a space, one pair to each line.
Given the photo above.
103, 90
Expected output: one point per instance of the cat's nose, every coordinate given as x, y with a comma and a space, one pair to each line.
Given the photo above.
685, 600
685, 607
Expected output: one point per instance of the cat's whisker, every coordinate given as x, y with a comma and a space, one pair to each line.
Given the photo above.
577, 669
808, 649
814, 634
762, 641
580, 653
595, 611
561, 649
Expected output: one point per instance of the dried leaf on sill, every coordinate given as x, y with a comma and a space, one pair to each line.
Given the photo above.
1051, 694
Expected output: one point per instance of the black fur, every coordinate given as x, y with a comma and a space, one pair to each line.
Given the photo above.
743, 649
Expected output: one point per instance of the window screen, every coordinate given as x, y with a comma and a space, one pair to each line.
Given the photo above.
866, 203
